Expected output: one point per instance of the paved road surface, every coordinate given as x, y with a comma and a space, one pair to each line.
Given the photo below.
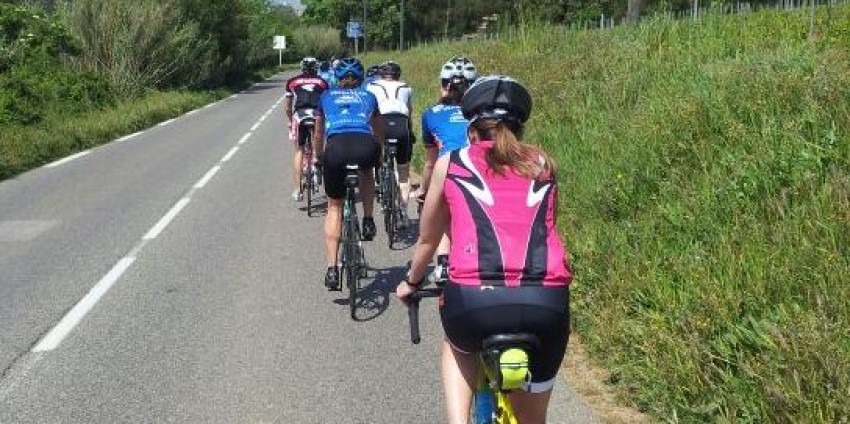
168, 277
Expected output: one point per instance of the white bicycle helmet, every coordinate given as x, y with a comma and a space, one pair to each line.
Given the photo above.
458, 70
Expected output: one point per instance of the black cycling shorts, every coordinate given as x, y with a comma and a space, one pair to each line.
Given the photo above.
345, 149
471, 313
397, 126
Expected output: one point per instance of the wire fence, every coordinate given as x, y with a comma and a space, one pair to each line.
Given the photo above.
696, 12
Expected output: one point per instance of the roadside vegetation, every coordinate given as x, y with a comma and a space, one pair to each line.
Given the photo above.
77, 74
704, 166
705, 174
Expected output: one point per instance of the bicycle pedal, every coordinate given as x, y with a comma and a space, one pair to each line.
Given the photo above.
513, 368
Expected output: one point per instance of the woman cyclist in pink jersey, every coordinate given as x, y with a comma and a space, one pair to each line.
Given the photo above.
508, 271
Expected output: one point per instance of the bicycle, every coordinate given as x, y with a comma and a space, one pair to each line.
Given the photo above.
352, 257
310, 177
503, 366
389, 194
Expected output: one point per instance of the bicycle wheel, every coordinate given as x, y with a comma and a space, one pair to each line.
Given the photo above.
309, 176
392, 210
385, 197
352, 266
351, 276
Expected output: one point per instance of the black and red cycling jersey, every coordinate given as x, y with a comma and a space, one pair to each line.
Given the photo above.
304, 90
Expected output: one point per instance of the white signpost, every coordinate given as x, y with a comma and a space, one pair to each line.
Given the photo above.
280, 46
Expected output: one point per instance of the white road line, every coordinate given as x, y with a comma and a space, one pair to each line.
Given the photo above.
230, 154
164, 123
255, 126
67, 159
67, 324
190, 112
72, 318
166, 219
207, 177
244, 138
127, 137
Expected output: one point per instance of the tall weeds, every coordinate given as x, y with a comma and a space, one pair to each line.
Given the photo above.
139, 44
705, 172
317, 40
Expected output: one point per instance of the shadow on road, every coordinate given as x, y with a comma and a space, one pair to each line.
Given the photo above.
374, 298
407, 237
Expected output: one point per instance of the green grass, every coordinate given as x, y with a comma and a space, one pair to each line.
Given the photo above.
705, 179
26, 147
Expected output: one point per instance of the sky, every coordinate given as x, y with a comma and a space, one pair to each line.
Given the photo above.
293, 3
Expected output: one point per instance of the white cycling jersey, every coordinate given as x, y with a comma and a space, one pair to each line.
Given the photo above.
393, 96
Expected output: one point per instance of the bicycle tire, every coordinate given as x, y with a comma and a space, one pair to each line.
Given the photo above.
308, 157
384, 203
393, 211
352, 268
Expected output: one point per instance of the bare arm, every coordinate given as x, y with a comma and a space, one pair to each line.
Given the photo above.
427, 170
434, 223
287, 107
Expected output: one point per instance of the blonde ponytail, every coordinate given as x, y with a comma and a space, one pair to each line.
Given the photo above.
510, 152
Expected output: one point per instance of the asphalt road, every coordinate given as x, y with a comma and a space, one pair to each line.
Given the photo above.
168, 277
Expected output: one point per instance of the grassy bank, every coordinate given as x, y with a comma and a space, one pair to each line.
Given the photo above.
705, 172
62, 133
26, 147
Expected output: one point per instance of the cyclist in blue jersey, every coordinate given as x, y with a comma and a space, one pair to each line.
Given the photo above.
348, 131
443, 131
326, 73
372, 74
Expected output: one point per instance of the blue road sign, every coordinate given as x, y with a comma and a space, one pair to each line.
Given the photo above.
355, 29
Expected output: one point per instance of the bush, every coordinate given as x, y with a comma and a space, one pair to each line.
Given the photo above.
139, 45
318, 41
35, 78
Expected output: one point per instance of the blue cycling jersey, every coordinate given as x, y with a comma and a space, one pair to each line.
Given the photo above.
444, 126
329, 77
347, 110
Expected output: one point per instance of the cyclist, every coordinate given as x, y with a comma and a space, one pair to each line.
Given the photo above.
394, 102
497, 197
348, 117
326, 73
302, 98
372, 74
444, 130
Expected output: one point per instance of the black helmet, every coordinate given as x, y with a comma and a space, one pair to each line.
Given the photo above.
309, 64
392, 69
373, 71
496, 97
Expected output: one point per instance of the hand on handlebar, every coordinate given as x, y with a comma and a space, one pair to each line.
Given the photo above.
403, 292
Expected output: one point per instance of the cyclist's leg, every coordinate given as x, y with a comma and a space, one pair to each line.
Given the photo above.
334, 175
551, 324
403, 156
530, 407
459, 374
296, 156
363, 150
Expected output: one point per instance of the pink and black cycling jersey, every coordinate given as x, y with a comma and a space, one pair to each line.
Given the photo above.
502, 226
